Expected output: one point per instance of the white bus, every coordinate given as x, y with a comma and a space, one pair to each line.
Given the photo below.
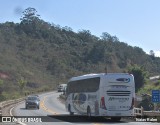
108, 95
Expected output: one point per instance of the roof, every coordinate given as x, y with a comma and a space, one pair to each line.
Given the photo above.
94, 75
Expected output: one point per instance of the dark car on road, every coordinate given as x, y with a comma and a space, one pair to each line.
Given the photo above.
32, 102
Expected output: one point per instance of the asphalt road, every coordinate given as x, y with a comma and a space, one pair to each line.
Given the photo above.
53, 110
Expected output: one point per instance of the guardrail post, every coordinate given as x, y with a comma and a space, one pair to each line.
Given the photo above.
142, 111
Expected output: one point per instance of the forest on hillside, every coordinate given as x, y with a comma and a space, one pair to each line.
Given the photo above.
45, 54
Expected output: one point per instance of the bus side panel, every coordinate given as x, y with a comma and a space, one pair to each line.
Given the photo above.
79, 103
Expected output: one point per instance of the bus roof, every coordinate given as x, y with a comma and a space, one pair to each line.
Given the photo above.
95, 75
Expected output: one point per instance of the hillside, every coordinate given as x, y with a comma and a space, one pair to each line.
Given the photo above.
46, 54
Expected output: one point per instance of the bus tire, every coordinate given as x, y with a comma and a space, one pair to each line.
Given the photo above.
88, 112
115, 119
69, 109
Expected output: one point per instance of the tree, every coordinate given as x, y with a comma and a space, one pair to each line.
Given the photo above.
31, 22
97, 53
1, 83
21, 84
29, 16
152, 54
146, 103
140, 76
106, 36
1, 90
85, 35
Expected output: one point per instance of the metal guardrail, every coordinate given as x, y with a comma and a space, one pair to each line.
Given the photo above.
9, 102
141, 112
151, 113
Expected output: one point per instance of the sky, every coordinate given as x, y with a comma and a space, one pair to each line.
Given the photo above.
135, 22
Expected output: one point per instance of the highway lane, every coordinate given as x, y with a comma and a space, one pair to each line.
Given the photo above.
50, 105
45, 106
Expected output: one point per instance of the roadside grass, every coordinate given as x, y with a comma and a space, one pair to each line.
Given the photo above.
17, 94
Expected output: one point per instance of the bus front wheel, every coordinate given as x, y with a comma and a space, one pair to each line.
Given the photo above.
69, 109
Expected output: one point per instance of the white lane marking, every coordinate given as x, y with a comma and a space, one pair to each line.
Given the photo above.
10, 112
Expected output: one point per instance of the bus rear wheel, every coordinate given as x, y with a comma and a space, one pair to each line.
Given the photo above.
69, 109
88, 112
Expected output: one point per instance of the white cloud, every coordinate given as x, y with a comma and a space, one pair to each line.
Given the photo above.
157, 53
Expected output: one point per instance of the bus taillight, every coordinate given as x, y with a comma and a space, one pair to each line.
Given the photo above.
102, 104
